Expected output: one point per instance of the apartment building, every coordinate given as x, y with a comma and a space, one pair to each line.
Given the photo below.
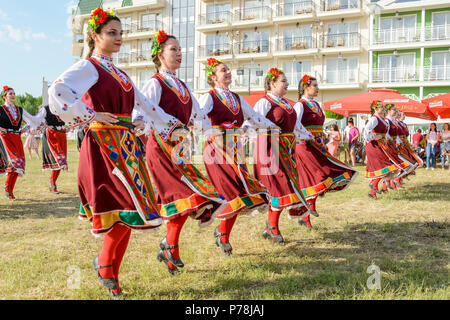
410, 47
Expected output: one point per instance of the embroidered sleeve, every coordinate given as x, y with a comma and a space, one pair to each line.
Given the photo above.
368, 129
206, 103
300, 131
147, 108
199, 117
32, 121
65, 94
255, 119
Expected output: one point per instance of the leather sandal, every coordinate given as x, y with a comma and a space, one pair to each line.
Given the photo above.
162, 258
109, 283
226, 247
268, 234
165, 247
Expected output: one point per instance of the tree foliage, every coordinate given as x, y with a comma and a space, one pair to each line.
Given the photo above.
332, 115
28, 102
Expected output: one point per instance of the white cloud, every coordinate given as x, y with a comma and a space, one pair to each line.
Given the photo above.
3, 16
17, 34
39, 35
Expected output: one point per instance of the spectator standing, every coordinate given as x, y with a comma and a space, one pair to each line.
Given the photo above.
334, 139
432, 142
445, 144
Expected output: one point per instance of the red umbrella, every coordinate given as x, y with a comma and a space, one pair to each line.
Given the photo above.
439, 105
255, 96
360, 103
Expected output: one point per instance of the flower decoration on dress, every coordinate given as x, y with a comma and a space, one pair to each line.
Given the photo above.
306, 80
5, 90
212, 63
274, 73
160, 37
98, 17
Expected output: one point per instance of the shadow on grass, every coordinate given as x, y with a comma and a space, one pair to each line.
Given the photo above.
423, 192
412, 258
62, 206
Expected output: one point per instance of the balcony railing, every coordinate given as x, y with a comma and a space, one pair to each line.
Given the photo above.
294, 78
249, 14
141, 56
343, 76
260, 46
296, 8
437, 33
214, 18
151, 26
214, 50
341, 40
404, 74
403, 35
331, 5
296, 43
122, 58
437, 73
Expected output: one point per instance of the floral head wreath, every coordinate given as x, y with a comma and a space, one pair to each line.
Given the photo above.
274, 73
5, 90
212, 63
160, 37
98, 17
375, 105
389, 106
306, 80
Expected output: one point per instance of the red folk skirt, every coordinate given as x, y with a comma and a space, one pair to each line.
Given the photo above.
54, 150
12, 156
381, 160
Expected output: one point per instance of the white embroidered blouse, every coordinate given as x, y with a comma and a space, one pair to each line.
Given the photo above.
368, 129
32, 121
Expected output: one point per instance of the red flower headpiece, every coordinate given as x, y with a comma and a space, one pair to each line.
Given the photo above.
274, 73
306, 80
5, 90
99, 17
160, 37
212, 63
375, 104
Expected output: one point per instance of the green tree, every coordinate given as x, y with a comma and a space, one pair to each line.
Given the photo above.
29, 103
332, 115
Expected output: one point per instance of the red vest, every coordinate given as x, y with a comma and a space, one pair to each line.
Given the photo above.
381, 127
281, 117
222, 114
311, 118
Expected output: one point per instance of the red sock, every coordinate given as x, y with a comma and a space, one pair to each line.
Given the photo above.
392, 184
110, 242
375, 183
308, 221
373, 193
312, 203
54, 176
399, 181
173, 233
274, 217
226, 226
11, 181
118, 257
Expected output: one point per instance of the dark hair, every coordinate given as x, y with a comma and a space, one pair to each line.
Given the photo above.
419, 130
211, 81
335, 127
435, 127
351, 121
268, 80
91, 42
162, 45
443, 127
302, 86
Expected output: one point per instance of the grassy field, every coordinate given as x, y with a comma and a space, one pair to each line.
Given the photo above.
406, 234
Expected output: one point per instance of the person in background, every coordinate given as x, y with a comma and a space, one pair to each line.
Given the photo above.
432, 139
334, 138
445, 144
32, 143
353, 136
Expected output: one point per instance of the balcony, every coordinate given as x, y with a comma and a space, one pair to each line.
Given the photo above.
295, 77
438, 33
122, 59
340, 9
140, 59
214, 21
296, 46
135, 31
437, 73
341, 79
259, 49
220, 51
396, 36
341, 42
395, 75
294, 12
259, 16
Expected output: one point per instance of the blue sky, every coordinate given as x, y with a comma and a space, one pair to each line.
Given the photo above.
35, 42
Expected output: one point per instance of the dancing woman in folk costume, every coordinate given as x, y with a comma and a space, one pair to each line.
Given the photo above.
223, 155
405, 145
182, 190
319, 172
275, 165
54, 145
380, 162
394, 143
12, 156
113, 183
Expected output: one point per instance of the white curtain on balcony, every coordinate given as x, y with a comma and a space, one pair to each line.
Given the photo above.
151, 21
254, 9
144, 77
440, 66
217, 44
297, 38
255, 41
217, 12
296, 70
400, 29
343, 34
397, 68
342, 70
441, 26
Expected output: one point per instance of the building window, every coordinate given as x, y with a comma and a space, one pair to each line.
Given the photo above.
297, 38
255, 42
440, 66
295, 70
292, 7
126, 24
217, 45
250, 74
343, 35
398, 29
342, 70
183, 27
150, 22
218, 13
396, 68
145, 52
342, 4
144, 77
441, 26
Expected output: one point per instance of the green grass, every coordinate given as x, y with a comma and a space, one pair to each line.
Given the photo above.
405, 233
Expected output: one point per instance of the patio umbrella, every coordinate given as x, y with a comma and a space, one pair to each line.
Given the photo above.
360, 103
255, 96
439, 105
